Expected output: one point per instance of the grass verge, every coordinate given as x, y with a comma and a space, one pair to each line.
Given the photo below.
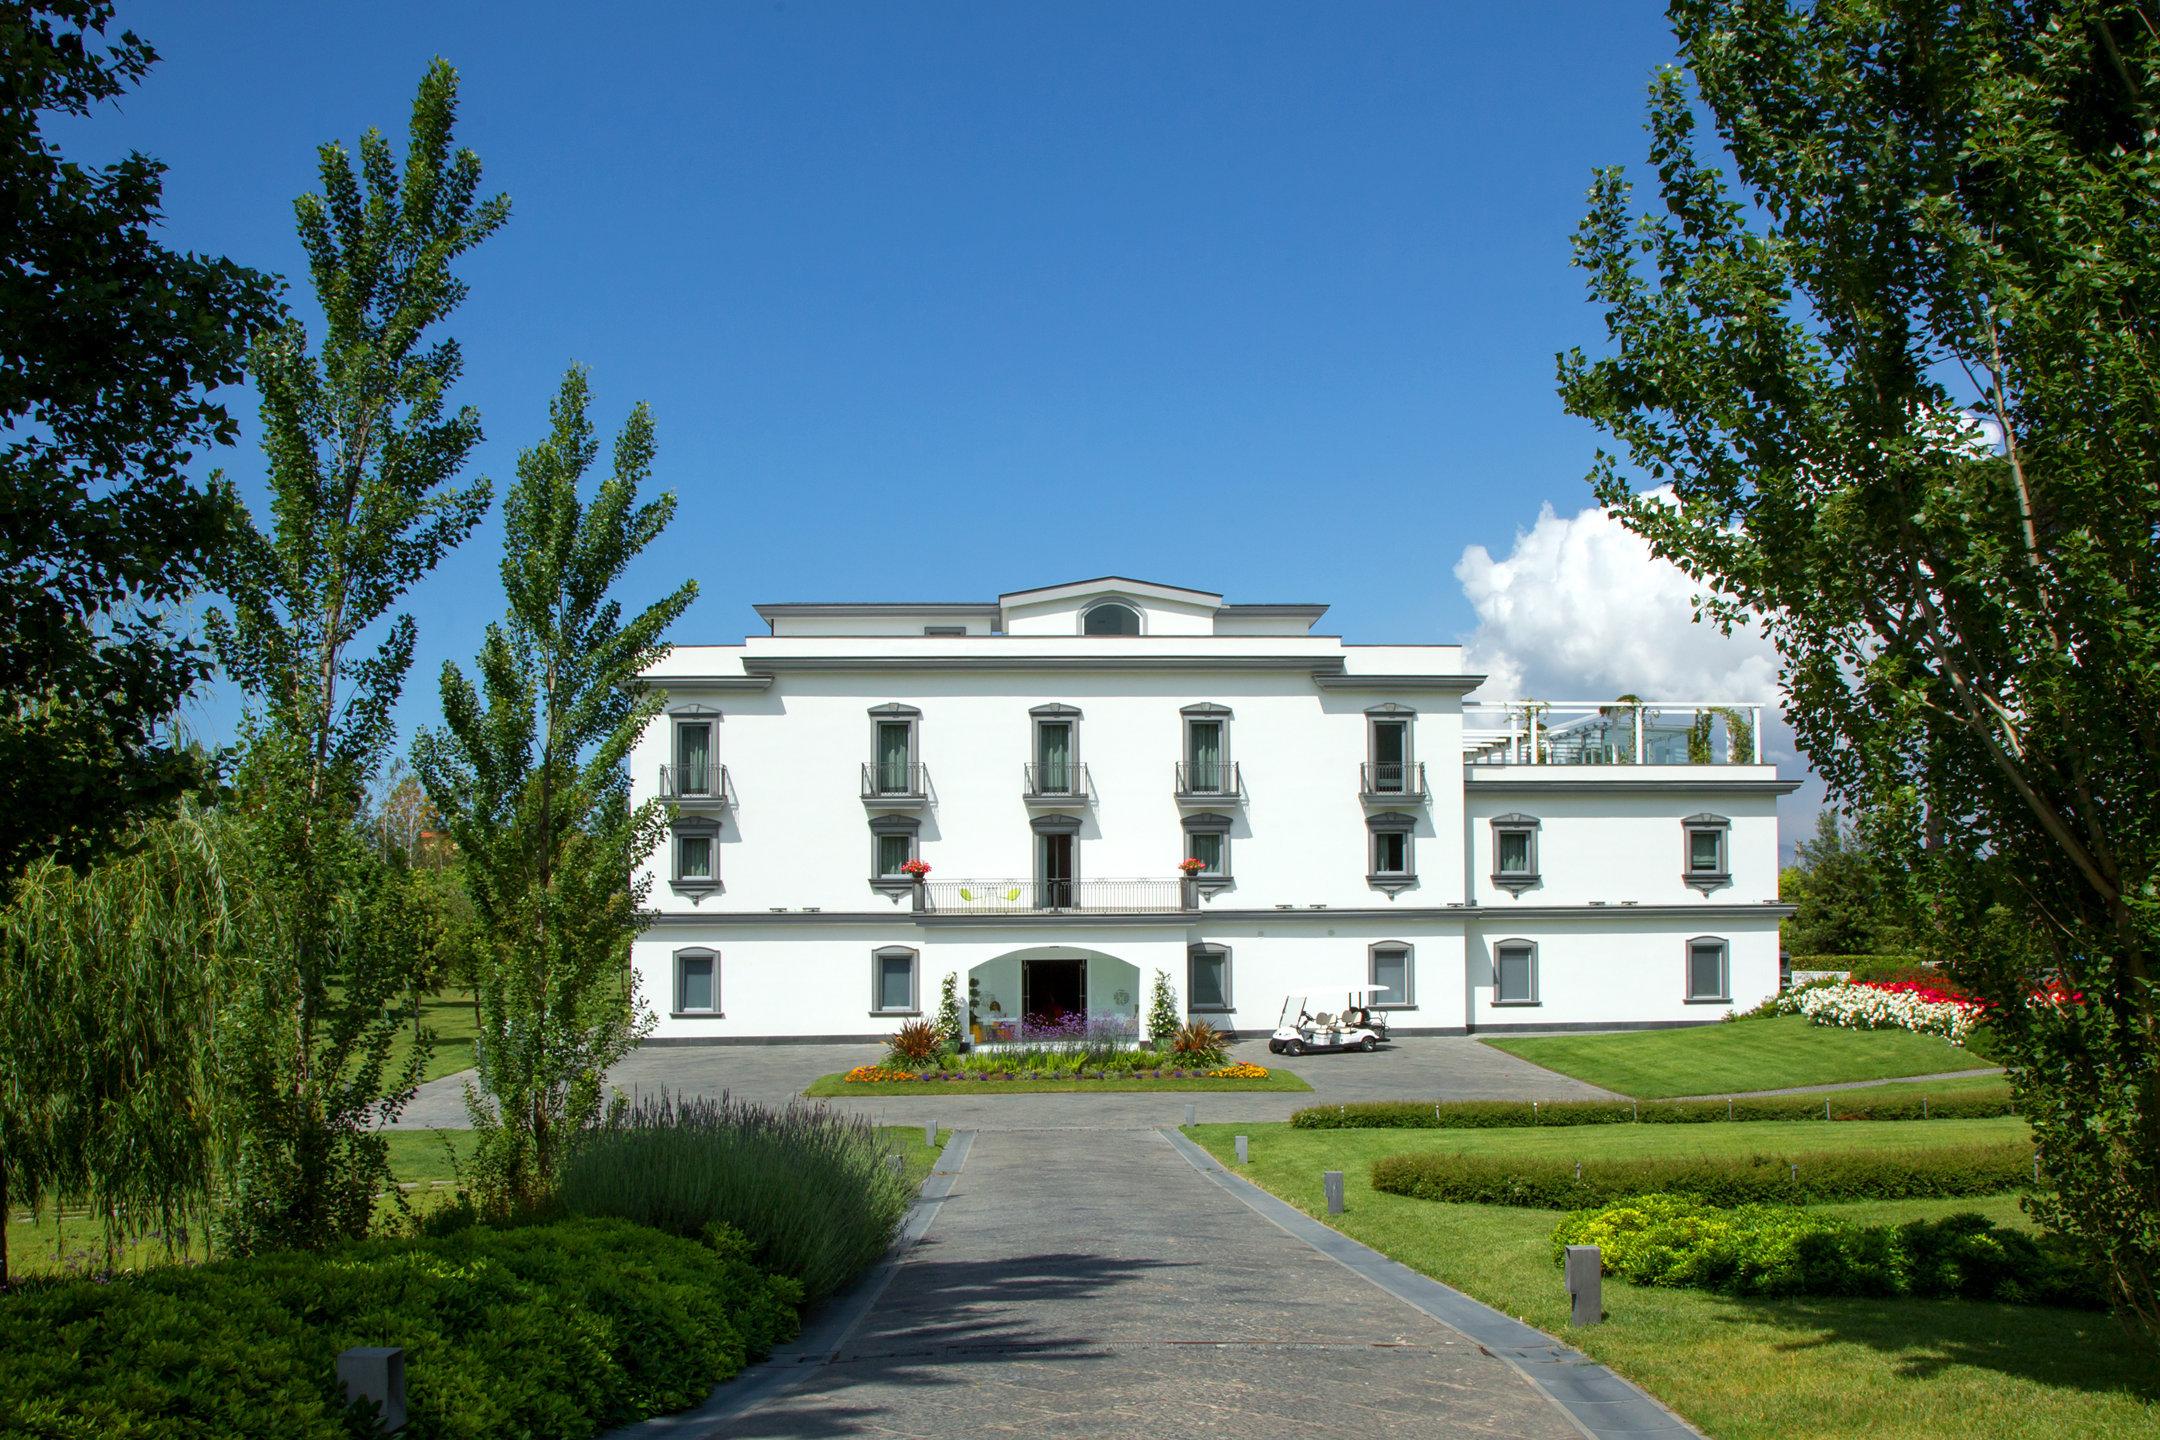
1736, 1058
1799, 1369
450, 1016
830, 1086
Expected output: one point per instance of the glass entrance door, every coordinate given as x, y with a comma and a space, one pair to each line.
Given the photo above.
1203, 757
1056, 880
893, 745
1053, 757
1391, 755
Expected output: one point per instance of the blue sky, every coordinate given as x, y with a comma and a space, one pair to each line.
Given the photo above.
937, 300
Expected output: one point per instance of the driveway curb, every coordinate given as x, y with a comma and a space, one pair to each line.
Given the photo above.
1601, 1404
789, 1364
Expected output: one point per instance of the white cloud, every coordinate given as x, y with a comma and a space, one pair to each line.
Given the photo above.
1579, 609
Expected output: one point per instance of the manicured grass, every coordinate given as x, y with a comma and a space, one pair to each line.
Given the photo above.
450, 1016
1744, 1055
1808, 1369
828, 1086
1623, 1142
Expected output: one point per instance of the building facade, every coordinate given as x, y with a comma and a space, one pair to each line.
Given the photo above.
1060, 757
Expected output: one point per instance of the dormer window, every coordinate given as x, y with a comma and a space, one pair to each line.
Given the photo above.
1111, 617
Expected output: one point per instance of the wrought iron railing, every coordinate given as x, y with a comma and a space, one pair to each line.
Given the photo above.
1027, 897
1057, 780
1392, 777
1209, 777
890, 779
706, 784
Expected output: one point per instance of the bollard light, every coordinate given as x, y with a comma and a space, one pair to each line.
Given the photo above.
929, 1134
1244, 1156
1192, 1112
375, 1374
1585, 1285
1332, 1180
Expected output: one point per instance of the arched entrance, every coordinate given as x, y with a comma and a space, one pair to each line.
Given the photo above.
1053, 992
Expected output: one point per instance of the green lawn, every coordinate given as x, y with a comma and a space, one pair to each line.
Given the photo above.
450, 1016
829, 1086
1734, 1058
1808, 1369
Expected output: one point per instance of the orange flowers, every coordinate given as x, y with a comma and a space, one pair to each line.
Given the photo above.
1243, 1070
873, 1074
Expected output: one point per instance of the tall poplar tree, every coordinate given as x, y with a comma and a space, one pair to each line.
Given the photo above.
364, 459
1922, 213
530, 771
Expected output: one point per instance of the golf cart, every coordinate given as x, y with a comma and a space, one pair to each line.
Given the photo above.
1300, 1032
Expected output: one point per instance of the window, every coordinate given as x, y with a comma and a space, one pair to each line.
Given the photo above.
1112, 617
892, 845
693, 774
696, 856
1706, 971
1207, 839
894, 851
1391, 966
697, 982
1390, 769
1515, 973
1207, 978
892, 981
1207, 752
1394, 857
1515, 857
1705, 860
1057, 750
893, 766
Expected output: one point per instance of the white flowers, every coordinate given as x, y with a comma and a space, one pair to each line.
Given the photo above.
1883, 1007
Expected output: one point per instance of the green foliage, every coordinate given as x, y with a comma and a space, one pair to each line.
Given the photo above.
1198, 1045
813, 1191
110, 980
1846, 893
951, 1031
1520, 1114
1163, 1017
531, 773
114, 347
563, 1329
1660, 1239
1922, 213
362, 465
1551, 1182
915, 1044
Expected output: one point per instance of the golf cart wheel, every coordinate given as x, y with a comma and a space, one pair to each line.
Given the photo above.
1369, 1044
1292, 1047
1274, 1047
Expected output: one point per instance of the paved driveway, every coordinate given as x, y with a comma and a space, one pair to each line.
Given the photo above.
1105, 1288
1414, 1068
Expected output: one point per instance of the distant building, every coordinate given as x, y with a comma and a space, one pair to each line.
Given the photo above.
1054, 755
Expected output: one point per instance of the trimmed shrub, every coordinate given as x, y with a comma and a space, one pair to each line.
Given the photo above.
1669, 1240
1553, 1184
562, 1329
1511, 1114
812, 1190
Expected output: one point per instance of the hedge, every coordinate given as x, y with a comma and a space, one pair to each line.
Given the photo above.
1554, 1184
562, 1329
1511, 1114
1777, 1250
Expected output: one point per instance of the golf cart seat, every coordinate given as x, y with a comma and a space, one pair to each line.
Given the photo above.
1324, 1019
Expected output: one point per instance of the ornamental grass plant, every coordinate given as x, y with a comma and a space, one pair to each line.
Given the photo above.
814, 1192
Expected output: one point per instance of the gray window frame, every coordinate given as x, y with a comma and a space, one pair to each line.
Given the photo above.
694, 952
883, 827
1515, 881
685, 827
1219, 717
878, 957
1392, 714
1706, 880
1408, 1000
1207, 950
1069, 717
1206, 824
681, 720
1104, 602
1391, 822
1687, 977
895, 713
1530, 949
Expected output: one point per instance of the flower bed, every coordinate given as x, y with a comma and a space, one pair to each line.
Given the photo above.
884, 1074
1891, 1005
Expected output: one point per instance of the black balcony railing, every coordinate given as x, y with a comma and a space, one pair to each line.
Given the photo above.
1214, 778
1392, 777
895, 780
1056, 780
1027, 897
706, 784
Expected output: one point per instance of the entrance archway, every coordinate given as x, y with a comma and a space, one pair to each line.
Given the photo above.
1053, 992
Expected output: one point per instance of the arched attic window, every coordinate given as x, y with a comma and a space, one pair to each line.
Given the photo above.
1111, 617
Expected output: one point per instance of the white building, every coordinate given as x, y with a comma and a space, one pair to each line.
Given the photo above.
1053, 755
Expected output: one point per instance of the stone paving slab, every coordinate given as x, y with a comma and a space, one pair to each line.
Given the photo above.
1106, 1288
1432, 1067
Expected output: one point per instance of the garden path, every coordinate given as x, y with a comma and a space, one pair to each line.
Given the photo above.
1107, 1288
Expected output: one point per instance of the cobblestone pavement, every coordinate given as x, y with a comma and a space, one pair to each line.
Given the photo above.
1104, 1288
1415, 1068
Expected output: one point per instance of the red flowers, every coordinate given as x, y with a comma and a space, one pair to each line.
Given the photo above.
916, 868
1932, 994
1191, 866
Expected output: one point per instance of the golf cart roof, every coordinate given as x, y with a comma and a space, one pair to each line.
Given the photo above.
1368, 990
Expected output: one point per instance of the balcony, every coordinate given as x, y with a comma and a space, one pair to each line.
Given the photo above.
1053, 897
1392, 782
1209, 782
1057, 785
1626, 731
891, 785
697, 789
